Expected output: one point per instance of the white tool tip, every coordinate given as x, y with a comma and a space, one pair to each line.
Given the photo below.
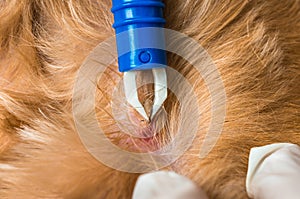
160, 91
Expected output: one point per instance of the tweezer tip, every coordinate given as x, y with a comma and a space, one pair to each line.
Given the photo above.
160, 91
131, 93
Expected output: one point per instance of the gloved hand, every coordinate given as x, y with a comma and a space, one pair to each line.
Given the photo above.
274, 172
166, 185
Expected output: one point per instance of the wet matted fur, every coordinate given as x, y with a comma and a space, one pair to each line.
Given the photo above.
254, 44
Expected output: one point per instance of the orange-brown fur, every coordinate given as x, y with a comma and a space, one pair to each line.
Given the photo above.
254, 44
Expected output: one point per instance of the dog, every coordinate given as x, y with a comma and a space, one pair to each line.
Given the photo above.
254, 45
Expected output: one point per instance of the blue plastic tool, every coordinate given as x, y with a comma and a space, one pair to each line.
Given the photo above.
130, 15
140, 44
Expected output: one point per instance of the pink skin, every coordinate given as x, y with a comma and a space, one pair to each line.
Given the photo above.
142, 139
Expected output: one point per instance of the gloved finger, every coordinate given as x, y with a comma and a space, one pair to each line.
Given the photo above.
276, 172
166, 185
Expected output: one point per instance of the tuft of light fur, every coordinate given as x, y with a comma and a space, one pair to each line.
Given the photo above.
254, 44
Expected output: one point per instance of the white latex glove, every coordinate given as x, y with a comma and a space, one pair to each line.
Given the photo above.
166, 185
274, 172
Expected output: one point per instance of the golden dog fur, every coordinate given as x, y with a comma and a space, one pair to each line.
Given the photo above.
255, 45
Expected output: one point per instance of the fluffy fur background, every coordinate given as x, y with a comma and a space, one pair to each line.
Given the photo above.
255, 45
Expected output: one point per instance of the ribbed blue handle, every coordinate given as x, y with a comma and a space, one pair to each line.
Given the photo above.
130, 17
